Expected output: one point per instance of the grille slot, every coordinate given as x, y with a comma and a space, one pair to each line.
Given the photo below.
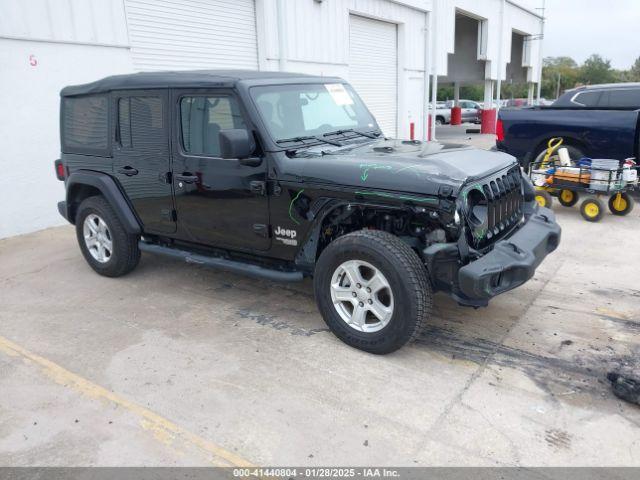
504, 206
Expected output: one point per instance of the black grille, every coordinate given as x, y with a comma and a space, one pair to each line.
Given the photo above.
504, 207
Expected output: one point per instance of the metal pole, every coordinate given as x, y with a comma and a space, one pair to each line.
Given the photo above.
427, 72
540, 52
500, 61
558, 85
434, 66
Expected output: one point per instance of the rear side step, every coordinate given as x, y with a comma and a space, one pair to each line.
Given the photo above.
222, 263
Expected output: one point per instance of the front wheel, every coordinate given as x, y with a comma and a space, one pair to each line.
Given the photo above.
621, 203
372, 291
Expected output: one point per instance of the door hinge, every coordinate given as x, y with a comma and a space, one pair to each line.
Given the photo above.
261, 230
258, 187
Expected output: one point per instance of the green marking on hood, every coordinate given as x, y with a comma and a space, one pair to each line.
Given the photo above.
365, 167
398, 196
291, 207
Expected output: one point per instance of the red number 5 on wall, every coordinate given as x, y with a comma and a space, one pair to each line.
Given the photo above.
33, 61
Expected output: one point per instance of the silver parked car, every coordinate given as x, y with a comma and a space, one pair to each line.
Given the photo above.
469, 111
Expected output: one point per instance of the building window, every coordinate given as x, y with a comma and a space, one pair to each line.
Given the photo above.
141, 123
202, 119
85, 123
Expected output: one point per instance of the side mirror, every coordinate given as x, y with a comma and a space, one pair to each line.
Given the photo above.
235, 143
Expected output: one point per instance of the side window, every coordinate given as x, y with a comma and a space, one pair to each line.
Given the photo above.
141, 123
587, 99
203, 117
85, 124
628, 97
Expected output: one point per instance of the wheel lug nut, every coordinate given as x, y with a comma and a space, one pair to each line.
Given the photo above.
368, 290
354, 294
358, 285
361, 304
370, 301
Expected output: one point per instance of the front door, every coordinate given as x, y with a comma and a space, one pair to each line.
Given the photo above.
220, 202
141, 156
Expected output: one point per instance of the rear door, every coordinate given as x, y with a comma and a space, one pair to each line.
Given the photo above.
141, 156
219, 201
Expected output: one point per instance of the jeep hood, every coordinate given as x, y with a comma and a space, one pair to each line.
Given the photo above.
396, 165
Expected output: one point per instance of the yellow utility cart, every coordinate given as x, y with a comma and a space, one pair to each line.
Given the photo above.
567, 179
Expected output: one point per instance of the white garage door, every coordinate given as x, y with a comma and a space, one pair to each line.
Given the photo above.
170, 35
373, 68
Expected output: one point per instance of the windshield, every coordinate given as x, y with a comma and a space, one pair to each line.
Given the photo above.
291, 112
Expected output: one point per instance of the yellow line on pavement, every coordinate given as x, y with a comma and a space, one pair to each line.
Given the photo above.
162, 429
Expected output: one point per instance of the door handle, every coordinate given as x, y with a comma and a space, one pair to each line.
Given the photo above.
187, 178
128, 171
258, 187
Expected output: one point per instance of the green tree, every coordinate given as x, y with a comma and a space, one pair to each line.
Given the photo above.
596, 69
634, 72
559, 72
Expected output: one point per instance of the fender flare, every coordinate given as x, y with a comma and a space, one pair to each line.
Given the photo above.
110, 191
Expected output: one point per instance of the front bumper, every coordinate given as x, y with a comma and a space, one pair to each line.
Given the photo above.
511, 262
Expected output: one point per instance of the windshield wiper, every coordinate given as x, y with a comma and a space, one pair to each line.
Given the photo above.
309, 137
351, 130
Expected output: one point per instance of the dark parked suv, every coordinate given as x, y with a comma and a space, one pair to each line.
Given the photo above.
283, 176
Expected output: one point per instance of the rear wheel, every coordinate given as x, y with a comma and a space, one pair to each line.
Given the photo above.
544, 198
103, 240
568, 198
439, 120
372, 291
592, 209
621, 204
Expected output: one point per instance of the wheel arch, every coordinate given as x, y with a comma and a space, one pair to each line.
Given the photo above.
312, 246
567, 140
85, 184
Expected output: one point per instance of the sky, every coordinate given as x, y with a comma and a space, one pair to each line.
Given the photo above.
578, 28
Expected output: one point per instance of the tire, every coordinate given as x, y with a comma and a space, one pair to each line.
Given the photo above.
407, 296
592, 209
544, 198
621, 207
568, 198
440, 121
574, 152
103, 240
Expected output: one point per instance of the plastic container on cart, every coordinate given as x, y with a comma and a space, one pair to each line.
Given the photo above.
605, 174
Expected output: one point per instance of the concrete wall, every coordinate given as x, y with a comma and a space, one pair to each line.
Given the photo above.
463, 65
42, 49
498, 45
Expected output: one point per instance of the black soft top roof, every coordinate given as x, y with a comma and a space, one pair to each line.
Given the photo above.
189, 78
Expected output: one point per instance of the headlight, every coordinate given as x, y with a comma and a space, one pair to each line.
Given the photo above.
477, 207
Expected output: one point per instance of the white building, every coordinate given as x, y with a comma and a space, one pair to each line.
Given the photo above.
381, 46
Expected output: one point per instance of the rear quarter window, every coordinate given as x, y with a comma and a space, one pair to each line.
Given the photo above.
623, 98
85, 124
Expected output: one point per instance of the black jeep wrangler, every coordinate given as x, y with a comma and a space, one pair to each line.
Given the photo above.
283, 176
